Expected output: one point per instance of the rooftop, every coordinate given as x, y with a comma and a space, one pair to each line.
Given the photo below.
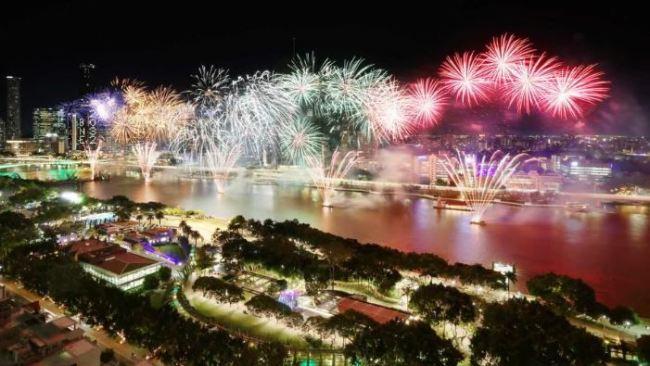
125, 262
378, 313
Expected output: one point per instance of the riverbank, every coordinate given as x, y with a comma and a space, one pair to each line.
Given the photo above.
534, 239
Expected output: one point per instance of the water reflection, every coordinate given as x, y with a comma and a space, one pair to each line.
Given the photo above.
608, 250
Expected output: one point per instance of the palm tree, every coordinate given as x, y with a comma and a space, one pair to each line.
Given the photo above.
215, 236
160, 215
123, 215
511, 276
139, 217
196, 236
150, 217
187, 230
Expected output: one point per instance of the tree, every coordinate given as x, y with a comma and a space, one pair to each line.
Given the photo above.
139, 217
316, 279
272, 354
511, 277
438, 303
164, 274
622, 315
238, 223
643, 348
564, 294
28, 195
151, 282
348, 324
519, 332
15, 230
150, 217
196, 236
107, 355
215, 236
398, 344
218, 289
265, 306
159, 216
204, 258
123, 214
336, 253
187, 230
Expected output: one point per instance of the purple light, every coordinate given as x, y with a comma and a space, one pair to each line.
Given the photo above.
290, 298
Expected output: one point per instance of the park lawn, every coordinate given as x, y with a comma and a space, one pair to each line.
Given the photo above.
362, 289
172, 250
245, 323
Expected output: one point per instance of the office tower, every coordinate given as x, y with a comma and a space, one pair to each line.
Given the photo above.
47, 121
12, 123
87, 78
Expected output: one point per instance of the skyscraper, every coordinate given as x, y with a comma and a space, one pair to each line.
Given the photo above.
12, 124
47, 121
87, 79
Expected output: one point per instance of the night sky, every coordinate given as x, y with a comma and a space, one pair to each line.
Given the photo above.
163, 44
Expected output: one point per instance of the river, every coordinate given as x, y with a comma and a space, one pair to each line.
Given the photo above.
609, 250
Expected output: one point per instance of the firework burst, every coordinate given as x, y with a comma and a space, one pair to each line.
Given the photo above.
300, 139
528, 86
303, 83
387, 108
147, 119
572, 89
504, 55
255, 110
427, 101
326, 178
209, 87
92, 156
480, 181
221, 158
146, 154
464, 76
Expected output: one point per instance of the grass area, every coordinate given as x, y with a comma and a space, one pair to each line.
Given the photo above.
363, 289
246, 323
157, 298
172, 250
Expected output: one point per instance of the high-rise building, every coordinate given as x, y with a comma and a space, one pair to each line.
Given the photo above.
2, 133
47, 121
87, 78
12, 123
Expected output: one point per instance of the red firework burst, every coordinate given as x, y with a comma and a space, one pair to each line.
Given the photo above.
503, 56
465, 77
427, 100
529, 83
572, 89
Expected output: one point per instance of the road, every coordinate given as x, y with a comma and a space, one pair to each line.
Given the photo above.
123, 351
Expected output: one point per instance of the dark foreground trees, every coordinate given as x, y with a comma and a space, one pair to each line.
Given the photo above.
173, 338
218, 289
565, 294
438, 303
397, 344
15, 230
643, 348
519, 332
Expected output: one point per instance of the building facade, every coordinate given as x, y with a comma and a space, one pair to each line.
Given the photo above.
48, 122
12, 129
87, 78
586, 171
112, 263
